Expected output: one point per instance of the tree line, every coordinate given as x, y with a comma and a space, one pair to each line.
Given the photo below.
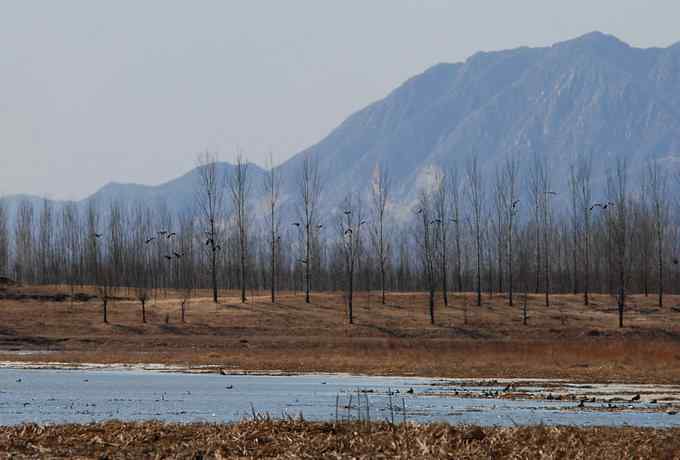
468, 230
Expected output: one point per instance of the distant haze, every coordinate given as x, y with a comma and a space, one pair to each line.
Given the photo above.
127, 91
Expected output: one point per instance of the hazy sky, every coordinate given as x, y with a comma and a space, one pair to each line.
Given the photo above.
131, 91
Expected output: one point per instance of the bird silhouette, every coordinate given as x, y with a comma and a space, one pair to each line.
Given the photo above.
349, 230
320, 226
515, 203
362, 222
297, 224
177, 255
419, 211
171, 235
150, 240
596, 205
163, 232
97, 235
348, 212
168, 257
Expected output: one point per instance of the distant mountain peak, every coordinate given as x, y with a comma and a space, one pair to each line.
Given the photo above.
596, 41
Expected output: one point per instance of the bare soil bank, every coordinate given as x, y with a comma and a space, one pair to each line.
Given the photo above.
565, 340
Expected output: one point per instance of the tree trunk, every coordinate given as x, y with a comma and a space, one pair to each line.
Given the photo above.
350, 295
432, 305
214, 275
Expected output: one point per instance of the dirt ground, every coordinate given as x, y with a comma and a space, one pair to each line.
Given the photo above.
564, 340
298, 439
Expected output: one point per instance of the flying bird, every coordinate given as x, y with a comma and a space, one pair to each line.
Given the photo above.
419, 211
149, 240
172, 234
596, 205
320, 226
515, 203
362, 222
97, 235
177, 255
349, 230
297, 224
348, 212
168, 257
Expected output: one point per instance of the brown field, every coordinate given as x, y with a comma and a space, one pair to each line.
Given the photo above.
565, 340
298, 439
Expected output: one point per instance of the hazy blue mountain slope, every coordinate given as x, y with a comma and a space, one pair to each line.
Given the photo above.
594, 94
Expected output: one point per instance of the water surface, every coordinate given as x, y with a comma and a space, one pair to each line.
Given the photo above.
58, 396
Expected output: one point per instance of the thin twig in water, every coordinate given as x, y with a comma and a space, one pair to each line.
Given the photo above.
349, 408
337, 400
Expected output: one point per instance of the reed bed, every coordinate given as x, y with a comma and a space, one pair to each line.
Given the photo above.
265, 438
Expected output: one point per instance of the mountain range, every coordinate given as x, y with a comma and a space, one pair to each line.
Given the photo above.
591, 95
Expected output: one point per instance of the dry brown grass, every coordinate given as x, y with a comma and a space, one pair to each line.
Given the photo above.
566, 340
298, 439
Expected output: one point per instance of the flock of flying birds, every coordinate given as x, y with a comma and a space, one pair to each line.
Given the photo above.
164, 234
603, 206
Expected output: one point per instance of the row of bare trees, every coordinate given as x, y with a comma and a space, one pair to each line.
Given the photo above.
469, 229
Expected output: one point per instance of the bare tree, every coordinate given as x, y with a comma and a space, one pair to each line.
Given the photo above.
239, 185
499, 224
542, 195
426, 242
4, 240
350, 224
456, 202
476, 190
23, 242
310, 188
380, 193
583, 206
442, 219
657, 180
209, 194
186, 259
620, 228
511, 206
272, 187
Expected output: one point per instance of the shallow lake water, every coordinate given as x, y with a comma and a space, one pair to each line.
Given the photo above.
58, 396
